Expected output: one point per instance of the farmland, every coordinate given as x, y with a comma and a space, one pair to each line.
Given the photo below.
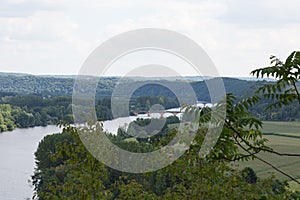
283, 137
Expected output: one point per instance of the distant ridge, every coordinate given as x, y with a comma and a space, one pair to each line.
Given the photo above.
14, 74
255, 79
62, 85
188, 78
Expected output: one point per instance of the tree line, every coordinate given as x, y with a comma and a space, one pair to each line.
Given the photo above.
23, 111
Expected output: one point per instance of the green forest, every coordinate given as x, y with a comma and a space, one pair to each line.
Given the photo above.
68, 176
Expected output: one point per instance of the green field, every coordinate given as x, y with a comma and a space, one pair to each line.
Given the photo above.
283, 137
287, 128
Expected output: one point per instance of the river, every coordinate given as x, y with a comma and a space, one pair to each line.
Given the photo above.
17, 160
17, 155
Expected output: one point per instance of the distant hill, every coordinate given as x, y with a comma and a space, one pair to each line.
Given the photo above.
63, 86
13, 74
46, 85
256, 79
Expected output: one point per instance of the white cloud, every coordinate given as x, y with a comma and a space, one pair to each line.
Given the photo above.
25, 8
238, 35
262, 13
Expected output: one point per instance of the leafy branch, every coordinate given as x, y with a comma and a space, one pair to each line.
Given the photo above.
287, 75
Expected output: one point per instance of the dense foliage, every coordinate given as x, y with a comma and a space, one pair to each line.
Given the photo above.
25, 111
66, 170
30, 111
6, 118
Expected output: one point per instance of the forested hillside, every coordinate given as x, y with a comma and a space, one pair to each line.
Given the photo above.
46, 85
63, 86
29, 101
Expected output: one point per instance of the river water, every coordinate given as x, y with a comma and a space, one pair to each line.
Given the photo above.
17, 160
17, 155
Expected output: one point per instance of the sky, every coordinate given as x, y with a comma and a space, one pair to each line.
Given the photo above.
56, 37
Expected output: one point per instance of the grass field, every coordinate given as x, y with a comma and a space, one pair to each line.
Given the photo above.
283, 137
287, 128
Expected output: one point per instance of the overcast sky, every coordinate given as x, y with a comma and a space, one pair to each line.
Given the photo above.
56, 36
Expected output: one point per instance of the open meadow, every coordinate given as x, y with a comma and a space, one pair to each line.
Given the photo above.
283, 137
